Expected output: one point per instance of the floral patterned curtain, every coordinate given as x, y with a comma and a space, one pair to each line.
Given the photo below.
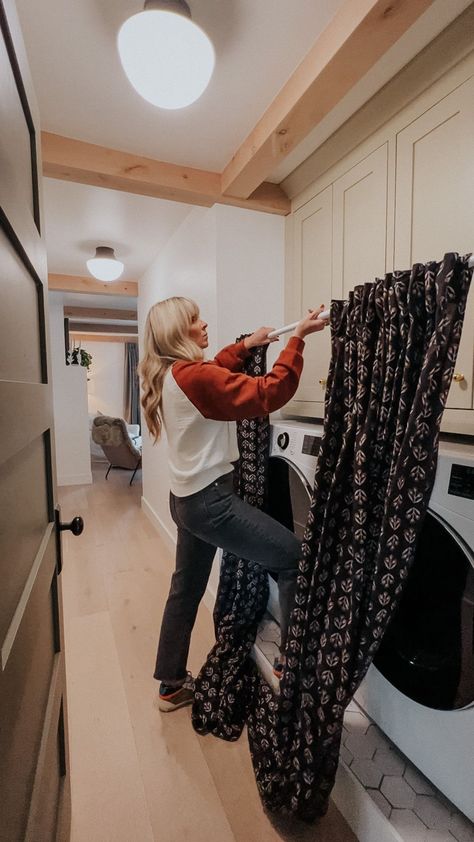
226, 684
394, 345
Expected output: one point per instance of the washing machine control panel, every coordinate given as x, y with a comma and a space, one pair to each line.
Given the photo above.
298, 443
311, 445
461, 481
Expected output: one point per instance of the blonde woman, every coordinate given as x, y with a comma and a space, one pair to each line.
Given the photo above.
197, 403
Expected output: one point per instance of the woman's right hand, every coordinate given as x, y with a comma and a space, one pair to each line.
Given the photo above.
311, 323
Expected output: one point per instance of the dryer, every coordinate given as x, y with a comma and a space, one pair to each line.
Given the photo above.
420, 688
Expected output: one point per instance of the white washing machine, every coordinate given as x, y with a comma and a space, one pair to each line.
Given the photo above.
294, 448
420, 689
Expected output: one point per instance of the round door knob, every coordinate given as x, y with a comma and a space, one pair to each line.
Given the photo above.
76, 526
323, 382
283, 441
458, 377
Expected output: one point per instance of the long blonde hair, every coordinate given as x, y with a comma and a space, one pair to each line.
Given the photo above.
166, 340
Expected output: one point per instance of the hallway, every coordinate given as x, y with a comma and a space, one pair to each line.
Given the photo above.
138, 775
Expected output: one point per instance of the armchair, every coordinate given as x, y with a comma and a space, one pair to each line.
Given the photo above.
114, 438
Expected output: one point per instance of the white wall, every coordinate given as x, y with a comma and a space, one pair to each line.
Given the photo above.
105, 386
231, 261
71, 427
186, 266
250, 274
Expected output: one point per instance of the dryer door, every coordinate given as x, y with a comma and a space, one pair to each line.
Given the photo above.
289, 499
428, 650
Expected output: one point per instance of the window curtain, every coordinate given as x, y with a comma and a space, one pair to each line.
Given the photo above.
132, 388
394, 345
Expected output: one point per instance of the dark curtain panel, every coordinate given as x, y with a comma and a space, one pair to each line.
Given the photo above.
132, 388
227, 682
394, 345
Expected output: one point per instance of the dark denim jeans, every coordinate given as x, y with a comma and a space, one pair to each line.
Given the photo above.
211, 518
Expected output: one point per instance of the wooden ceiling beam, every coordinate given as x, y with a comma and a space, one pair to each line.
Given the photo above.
100, 313
86, 163
91, 337
78, 283
361, 32
93, 327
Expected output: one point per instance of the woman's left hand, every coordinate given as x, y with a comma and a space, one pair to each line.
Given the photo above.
259, 337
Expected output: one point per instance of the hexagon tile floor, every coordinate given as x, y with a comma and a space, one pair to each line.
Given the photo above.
418, 811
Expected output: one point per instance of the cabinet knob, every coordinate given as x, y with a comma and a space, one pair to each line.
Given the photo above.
323, 382
458, 377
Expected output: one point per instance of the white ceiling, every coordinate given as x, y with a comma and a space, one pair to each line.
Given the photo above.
110, 302
83, 92
79, 218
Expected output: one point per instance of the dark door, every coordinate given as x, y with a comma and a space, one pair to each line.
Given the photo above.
34, 780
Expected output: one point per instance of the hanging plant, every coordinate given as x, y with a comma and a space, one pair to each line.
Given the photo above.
78, 356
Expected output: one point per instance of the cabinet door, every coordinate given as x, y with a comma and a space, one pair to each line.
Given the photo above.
435, 203
360, 223
312, 242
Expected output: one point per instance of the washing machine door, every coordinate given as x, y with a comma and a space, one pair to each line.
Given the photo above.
428, 650
289, 494
289, 499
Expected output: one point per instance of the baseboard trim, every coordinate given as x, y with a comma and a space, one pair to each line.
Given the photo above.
160, 527
75, 479
209, 597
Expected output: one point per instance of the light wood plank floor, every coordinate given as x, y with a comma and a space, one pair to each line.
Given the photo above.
138, 775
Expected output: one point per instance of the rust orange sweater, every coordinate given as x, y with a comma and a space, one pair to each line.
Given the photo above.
201, 400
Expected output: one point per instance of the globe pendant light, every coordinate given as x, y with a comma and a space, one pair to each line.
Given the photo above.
105, 266
168, 59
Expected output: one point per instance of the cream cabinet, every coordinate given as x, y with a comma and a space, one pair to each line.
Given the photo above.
339, 240
406, 195
312, 254
360, 223
435, 204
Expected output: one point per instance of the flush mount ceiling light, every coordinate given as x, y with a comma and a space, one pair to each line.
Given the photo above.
105, 266
168, 59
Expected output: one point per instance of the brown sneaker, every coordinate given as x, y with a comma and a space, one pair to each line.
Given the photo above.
170, 698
